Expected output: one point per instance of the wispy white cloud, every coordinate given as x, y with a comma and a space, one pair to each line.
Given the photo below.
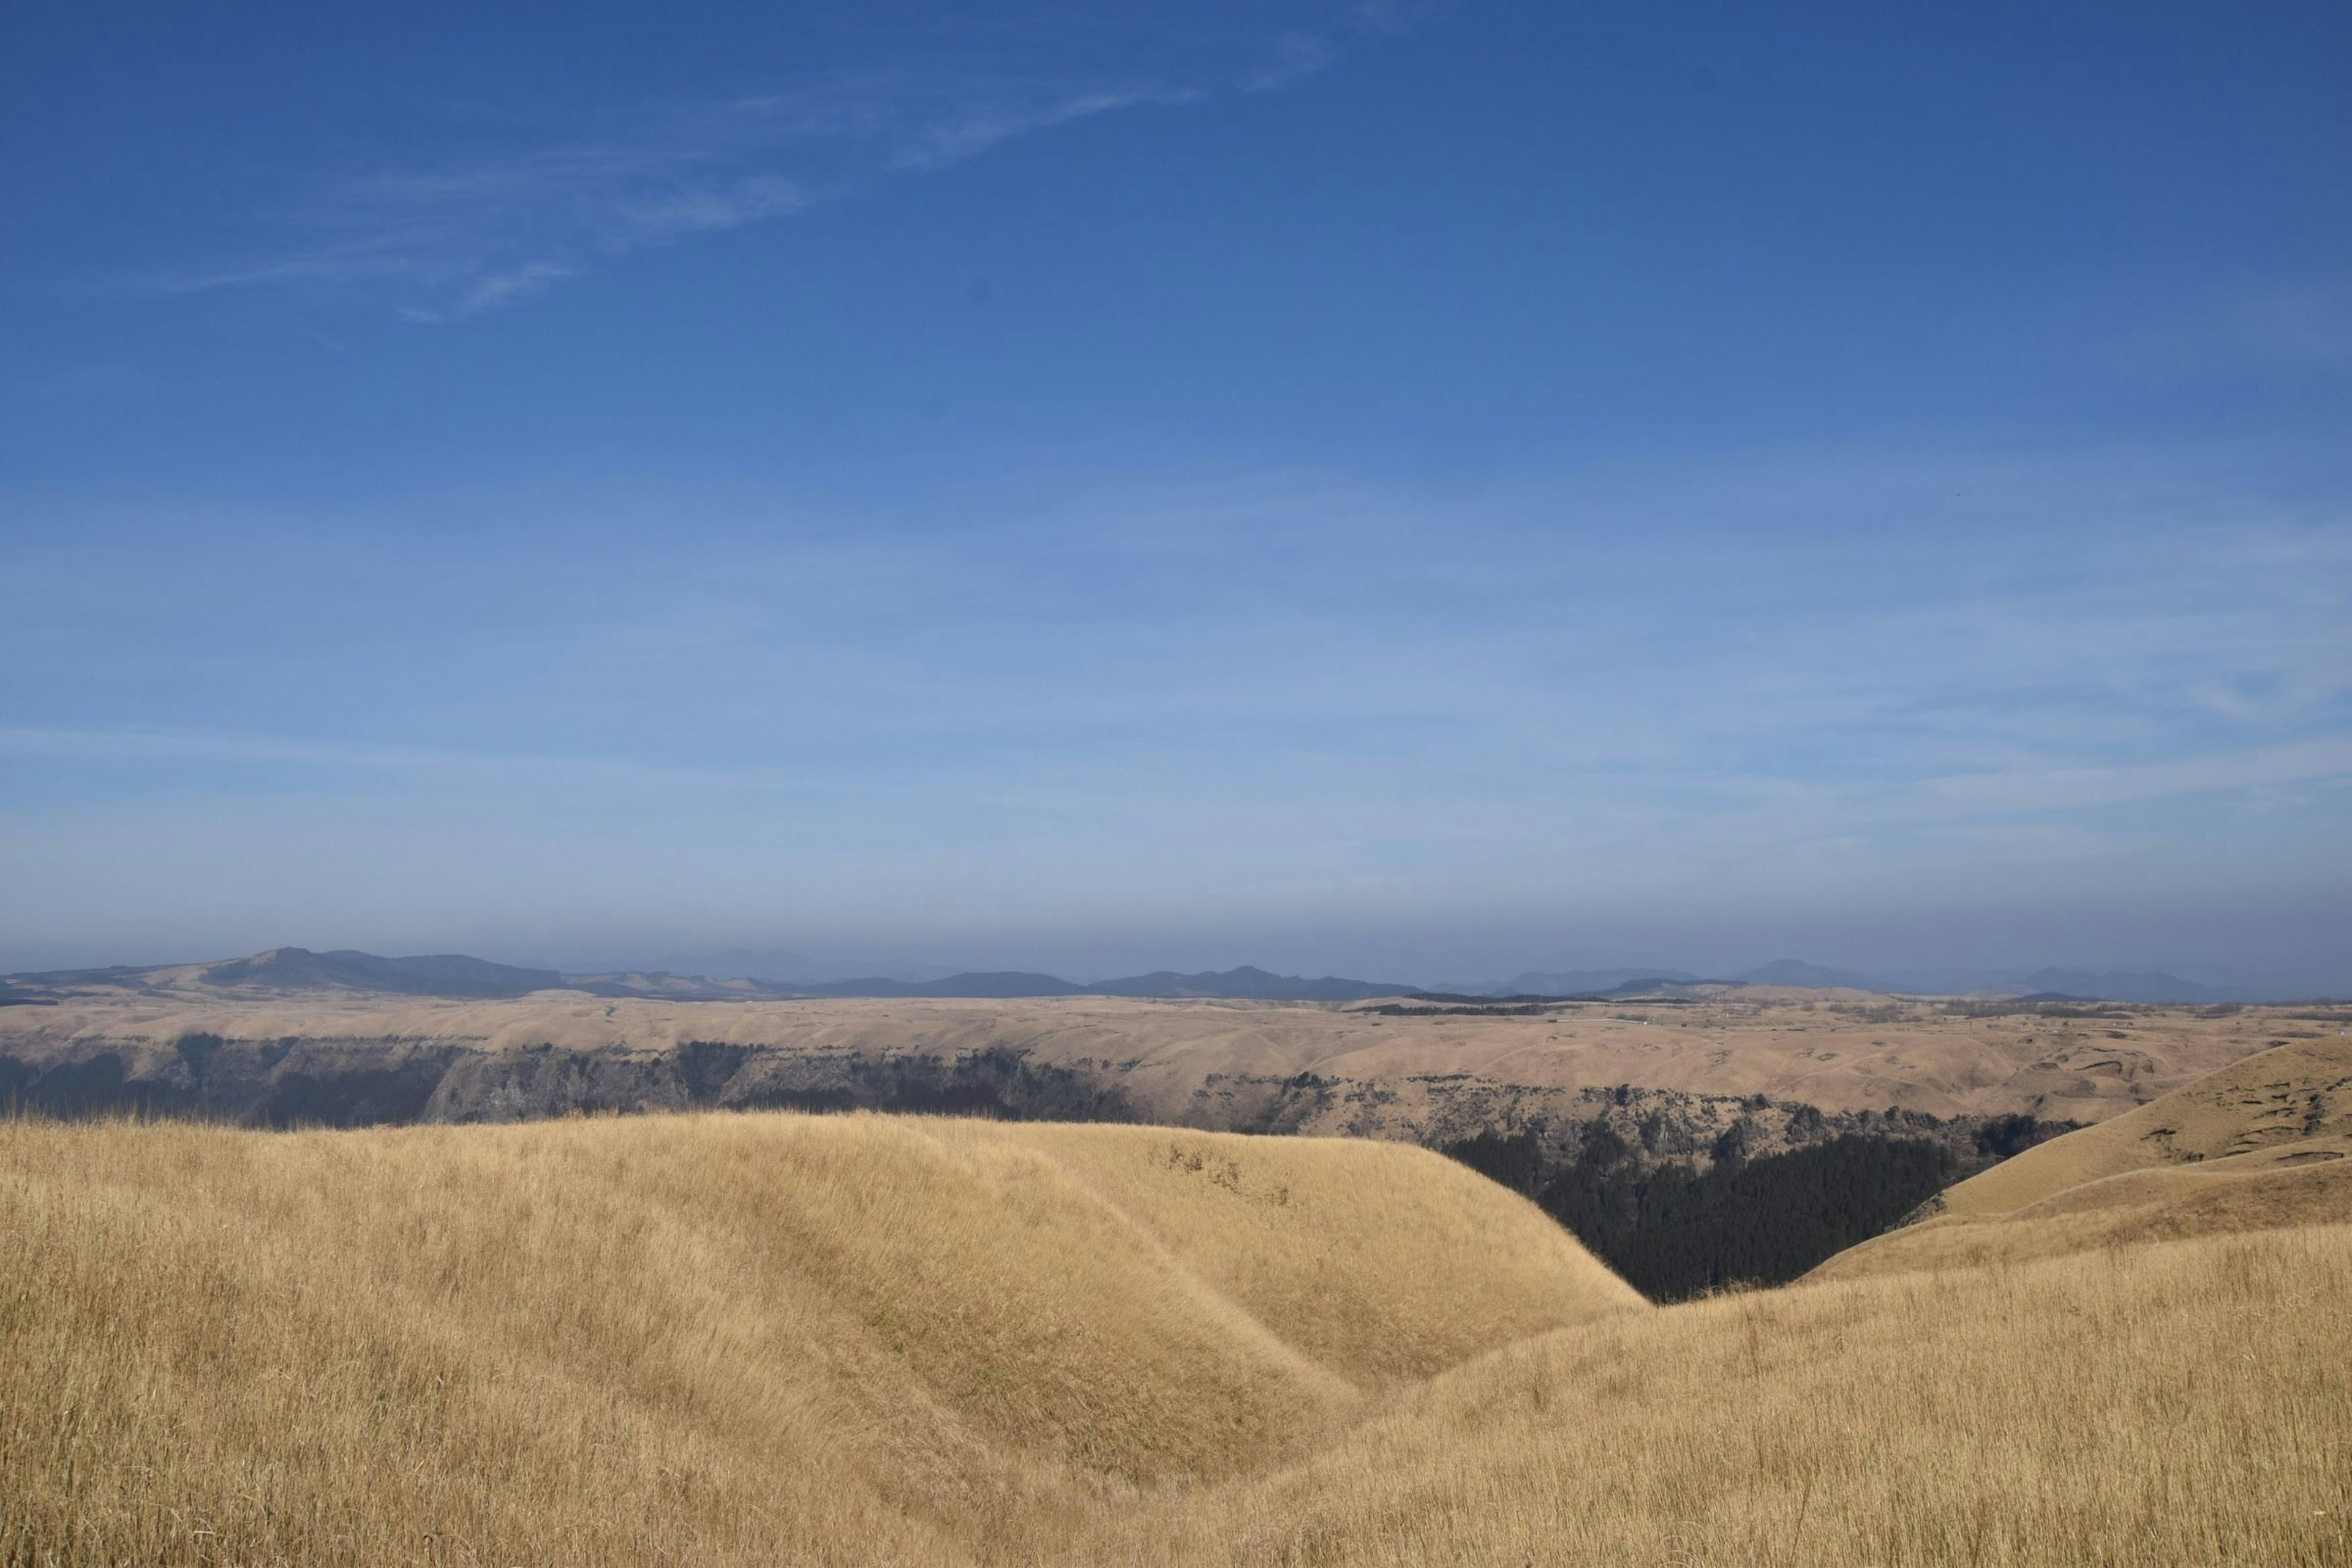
1294, 58
480, 231
959, 134
1299, 698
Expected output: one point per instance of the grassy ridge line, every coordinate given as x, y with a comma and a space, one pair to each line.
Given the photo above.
2143, 1206
712, 1338
2282, 1095
2264, 1142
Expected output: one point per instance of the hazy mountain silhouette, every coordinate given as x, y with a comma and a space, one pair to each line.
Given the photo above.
455, 975
1247, 983
999, 983
459, 975
435, 974
1797, 971
1590, 981
781, 966
2124, 985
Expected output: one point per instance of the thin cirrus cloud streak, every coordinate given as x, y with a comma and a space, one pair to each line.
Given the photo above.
1781, 823
475, 235
1965, 704
961, 726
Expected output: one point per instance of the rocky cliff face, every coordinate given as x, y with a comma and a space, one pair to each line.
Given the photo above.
347, 1082
343, 1082
1736, 1077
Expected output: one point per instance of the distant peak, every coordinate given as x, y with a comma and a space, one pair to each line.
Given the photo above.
348, 969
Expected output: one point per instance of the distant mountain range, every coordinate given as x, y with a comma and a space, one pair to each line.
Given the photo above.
1246, 984
2052, 984
457, 975
1810, 976
2118, 986
1603, 982
1572, 982
437, 974
772, 965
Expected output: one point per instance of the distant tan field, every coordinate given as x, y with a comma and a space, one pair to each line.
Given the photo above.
2265, 1141
1214, 1063
764, 1338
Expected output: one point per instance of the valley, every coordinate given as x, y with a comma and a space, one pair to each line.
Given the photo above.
321, 1274
899, 1339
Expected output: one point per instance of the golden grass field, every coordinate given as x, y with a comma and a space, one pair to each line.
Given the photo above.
776, 1338
710, 1338
2180, 1402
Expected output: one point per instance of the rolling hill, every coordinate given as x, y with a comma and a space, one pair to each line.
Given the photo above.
885, 1339
2177, 1403
714, 1338
2262, 1142
436, 974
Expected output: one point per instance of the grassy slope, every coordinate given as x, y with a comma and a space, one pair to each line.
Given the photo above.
2265, 1141
874, 1339
2180, 1403
708, 1337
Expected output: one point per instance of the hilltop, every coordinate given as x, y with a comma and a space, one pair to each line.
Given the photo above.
436, 974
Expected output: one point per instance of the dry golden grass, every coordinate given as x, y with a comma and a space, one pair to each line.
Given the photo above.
884, 1340
2182, 1403
2264, 1142
708, 1338
2285, 1095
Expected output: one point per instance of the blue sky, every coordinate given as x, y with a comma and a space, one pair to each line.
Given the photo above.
1420, 490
